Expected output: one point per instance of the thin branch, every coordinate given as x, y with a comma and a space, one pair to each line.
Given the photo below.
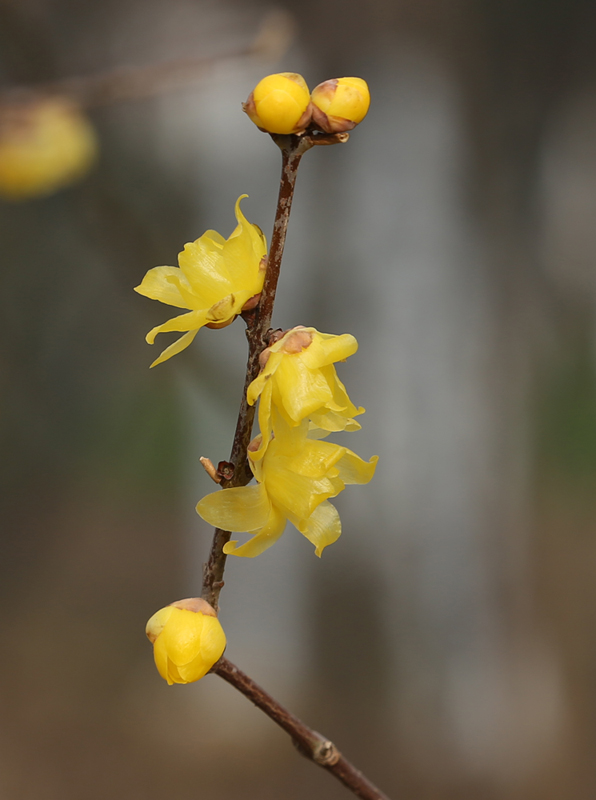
310, 743
138, 82
258, 323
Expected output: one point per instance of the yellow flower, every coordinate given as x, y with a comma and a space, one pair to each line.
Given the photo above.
340, 104
187, 640
299, 380
280, 103
44, 145
216, 278
295, 478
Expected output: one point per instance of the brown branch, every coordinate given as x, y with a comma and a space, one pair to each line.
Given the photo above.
258, 323
138, 82
310, 743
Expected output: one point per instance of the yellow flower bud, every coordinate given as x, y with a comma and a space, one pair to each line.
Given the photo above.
187, 640
44, 145
280, 103
340, 104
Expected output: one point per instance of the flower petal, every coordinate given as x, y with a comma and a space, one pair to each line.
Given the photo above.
353, 469
328, 348
323, 527
182, 636
184, 322
166, 285
177, 347
262, 539
244, 508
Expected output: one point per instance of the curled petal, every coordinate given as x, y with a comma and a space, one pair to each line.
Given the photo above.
353, 469
328, 349
177, 347
323, 527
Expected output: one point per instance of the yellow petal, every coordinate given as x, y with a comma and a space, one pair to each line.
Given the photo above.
160, 656
327, 348
295, 495
262, 539
323, 527
333, 421
182, 635
212, 645
243, 508
316, 458
157, 622
298, 389
353, 469
184, 322
166, 285
203, 265
175, 348
257, 386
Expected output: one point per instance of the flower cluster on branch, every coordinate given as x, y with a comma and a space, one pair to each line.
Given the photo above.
301, 401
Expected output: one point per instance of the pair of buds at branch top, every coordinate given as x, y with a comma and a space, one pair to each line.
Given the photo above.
187, 640
282, 103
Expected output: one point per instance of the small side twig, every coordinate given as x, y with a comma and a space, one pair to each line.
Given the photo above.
138, 82
310, 743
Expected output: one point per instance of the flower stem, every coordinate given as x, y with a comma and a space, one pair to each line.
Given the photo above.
258, 323
310, 743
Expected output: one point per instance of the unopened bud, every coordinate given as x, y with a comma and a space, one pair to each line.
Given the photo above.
280, 104
187, 640
340, 104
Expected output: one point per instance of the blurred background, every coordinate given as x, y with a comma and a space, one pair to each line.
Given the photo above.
447, 642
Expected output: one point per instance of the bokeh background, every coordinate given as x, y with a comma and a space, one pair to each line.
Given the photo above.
447, 642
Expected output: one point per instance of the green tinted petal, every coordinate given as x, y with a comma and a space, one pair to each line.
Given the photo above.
244, 508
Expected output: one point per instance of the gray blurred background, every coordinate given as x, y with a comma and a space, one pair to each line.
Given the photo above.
447, 642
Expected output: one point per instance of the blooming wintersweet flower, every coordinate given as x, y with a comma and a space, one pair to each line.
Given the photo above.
216, 279
295, 478
187, 640
298, 379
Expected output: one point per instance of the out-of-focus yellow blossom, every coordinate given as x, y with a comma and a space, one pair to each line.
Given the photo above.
295, 478
216, 279
187, 640
280, 103
45, 144
340, 104
299, 379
